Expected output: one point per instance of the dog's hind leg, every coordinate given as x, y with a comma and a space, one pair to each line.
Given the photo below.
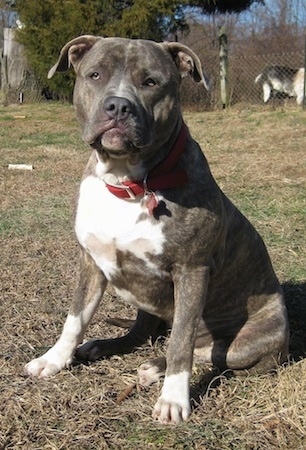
151, 371
266, 91
261, 344
144, 327
298, 86
258, 345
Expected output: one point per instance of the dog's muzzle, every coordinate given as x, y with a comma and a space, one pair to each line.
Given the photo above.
119, 128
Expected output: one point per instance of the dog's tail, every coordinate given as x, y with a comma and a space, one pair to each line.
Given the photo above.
258, 78
121, 323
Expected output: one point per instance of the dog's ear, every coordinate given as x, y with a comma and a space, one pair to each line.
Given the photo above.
187, 62
72, 53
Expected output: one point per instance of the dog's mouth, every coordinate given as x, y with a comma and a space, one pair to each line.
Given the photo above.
118, 142
114, 144
115, 140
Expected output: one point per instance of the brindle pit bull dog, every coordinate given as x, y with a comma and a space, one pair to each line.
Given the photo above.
151, 221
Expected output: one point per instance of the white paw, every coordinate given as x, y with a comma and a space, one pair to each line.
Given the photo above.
49, 364
170, 412
41, 368
173, 405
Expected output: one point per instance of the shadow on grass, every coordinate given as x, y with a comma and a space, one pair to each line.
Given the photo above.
295, 296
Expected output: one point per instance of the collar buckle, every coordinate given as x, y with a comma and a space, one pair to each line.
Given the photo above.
118, 188
129, 192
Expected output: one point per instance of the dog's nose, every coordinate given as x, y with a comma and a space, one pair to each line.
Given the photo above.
118, 107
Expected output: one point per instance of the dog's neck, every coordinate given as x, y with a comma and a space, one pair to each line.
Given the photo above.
164, 175
120, 170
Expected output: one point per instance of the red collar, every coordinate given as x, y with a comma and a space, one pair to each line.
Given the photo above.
160, 177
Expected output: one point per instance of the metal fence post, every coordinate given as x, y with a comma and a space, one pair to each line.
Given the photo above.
223, 66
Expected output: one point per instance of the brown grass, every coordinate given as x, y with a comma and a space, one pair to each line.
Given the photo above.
258, 158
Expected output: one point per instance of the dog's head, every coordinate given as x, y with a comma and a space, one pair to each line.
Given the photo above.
127, 91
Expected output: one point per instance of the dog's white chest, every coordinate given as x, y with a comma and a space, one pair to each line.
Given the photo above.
106, 225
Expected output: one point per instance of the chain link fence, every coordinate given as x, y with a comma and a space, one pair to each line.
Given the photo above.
242, 70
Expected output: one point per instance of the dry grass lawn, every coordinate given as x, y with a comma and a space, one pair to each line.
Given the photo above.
258, 158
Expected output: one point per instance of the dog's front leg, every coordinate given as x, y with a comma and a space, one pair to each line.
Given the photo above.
190, 287
90, 287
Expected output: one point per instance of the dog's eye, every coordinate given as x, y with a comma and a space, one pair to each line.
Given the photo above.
95, 76
149, 82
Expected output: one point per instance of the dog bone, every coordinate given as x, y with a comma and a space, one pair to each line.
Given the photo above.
20, 166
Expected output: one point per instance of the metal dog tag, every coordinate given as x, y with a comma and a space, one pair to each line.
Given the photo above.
150, 201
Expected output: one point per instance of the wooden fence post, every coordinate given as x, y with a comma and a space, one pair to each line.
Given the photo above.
223, 66
304, 91
13, 62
